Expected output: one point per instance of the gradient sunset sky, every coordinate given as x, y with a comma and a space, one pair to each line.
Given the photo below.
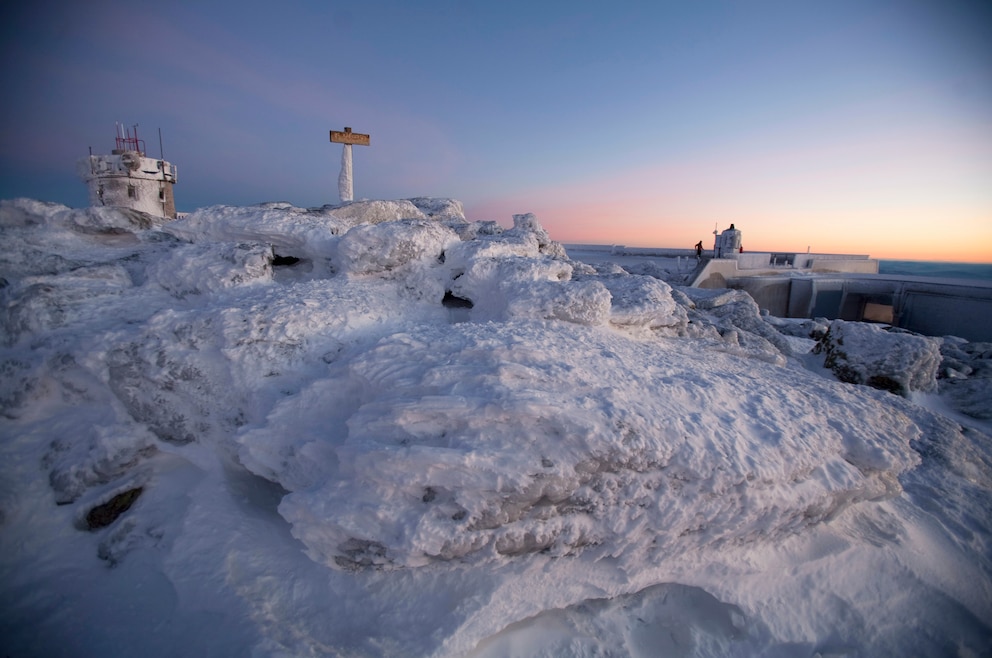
839, 126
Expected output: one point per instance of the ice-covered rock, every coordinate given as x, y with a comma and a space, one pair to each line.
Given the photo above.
386, 246
527, 228
471, 230
891, 360
173, 381
374, 212
201, 268
440, 209
502, 285
737, 319
965, 376
50, 239
812, 329
492, 440
643, 302
37, 304
93, 221
658, 271
290, 231
581, 302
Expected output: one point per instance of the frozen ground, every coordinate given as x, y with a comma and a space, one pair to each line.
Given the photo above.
383, 430
676, 270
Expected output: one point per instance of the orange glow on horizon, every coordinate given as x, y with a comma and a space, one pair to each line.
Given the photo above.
903, 214
878, 194
897, 234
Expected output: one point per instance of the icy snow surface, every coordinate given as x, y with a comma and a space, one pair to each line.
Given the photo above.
380, 429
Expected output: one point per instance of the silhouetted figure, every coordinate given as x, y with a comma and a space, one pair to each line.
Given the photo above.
699, 250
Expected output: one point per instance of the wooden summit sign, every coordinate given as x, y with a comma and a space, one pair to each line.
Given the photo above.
348, 137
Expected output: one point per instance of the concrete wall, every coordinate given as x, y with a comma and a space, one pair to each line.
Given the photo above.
772, 293
946, 314
857, 266
763, 264
716, 273
928, 306
753, 260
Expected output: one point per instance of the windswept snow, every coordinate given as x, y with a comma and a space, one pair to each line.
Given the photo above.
299, 448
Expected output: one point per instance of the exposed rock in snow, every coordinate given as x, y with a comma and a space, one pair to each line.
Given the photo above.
102, 515
965, 376
890, 360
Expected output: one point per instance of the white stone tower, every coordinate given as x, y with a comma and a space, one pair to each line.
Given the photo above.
128, 179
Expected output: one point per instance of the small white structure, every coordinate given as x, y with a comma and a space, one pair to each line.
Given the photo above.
127, 178
727, 244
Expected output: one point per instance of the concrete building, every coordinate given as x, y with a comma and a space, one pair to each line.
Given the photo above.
848, 287
127, 178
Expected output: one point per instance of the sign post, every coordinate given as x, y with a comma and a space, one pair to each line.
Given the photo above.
345, 181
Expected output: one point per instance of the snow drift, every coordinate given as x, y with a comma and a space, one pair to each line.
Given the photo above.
197, 404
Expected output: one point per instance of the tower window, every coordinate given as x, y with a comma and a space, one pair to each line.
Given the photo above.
131, 192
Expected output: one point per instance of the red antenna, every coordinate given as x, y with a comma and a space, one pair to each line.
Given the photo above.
126, 141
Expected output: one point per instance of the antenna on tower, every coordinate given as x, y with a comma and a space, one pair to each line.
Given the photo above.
161, 151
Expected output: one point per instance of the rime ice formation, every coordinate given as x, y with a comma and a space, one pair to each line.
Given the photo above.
728, 243
345, 182
382, 429
890, 360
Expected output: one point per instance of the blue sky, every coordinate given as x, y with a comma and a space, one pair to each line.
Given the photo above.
855, 126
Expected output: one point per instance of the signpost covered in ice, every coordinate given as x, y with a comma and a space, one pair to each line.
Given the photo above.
345, 186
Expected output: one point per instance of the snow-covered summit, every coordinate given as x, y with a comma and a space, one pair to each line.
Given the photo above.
384, 429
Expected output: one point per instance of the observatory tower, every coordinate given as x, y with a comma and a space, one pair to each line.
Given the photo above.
128, 179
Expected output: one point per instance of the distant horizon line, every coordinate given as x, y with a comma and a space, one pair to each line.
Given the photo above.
987, 263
